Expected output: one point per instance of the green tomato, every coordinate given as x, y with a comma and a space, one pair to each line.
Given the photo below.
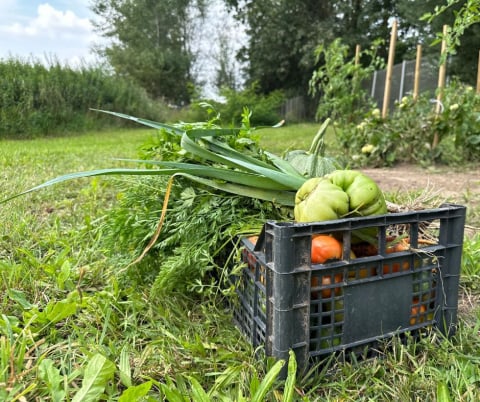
338, 194
318, 199
365, 197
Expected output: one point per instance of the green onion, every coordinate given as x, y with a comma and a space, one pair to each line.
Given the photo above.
215, 164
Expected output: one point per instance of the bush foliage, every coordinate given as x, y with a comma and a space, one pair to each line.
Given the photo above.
408, 134
39, 100
265, 108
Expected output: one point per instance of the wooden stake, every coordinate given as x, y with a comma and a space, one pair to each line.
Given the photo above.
441, 81
357, 54
416, 82
478, 74
388, 78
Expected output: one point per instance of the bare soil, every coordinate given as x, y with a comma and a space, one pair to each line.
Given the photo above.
454, 186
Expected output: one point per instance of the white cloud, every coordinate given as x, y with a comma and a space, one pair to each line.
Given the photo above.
51, 23
46, 32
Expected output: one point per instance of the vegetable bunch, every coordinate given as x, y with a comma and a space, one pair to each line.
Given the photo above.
289, 181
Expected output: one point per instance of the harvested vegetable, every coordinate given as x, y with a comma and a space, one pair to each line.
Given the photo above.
365, 197
313, 163
320, 200
338, 194
324, 248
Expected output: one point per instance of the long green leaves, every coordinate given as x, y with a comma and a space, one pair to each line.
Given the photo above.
145, 122
214, 164
235, 159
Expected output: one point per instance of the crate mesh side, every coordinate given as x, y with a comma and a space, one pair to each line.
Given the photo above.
362, 301
250, 311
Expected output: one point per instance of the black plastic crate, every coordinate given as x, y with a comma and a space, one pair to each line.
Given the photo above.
286, 302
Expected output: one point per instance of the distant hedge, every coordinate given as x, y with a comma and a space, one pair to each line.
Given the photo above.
42, 100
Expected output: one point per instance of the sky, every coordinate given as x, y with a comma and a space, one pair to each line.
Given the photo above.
47, 29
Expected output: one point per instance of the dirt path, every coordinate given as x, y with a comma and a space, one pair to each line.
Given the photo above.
454, 186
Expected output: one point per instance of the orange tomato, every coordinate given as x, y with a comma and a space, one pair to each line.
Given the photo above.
324, 248
417, 313
326, 281
396, 267
362, 273
402, 245
314, 284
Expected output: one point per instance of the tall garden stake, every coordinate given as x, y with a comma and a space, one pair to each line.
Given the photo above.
388, 78
441, 80
478, 74
416, 82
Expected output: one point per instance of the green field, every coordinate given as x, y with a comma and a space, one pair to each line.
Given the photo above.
76, 326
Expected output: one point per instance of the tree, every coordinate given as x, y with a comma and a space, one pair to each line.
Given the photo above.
149, 42
462, 17
282, 36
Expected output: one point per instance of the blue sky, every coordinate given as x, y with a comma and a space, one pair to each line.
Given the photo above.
46, 29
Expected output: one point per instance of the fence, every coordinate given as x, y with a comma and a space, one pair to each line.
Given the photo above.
389, 85
294, 109
402, 84
402, 81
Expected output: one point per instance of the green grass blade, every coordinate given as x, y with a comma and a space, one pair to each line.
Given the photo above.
198, 393
125, 368
226, 379
98, 373
443, 394
291, 378
136, 392
268, 382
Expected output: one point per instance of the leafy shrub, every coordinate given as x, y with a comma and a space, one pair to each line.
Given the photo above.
338, 82
265, 109
408, 134
38, 100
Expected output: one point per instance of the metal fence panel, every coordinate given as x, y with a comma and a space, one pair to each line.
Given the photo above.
403, 77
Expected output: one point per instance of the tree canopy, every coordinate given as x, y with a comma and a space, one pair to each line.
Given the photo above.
149, 43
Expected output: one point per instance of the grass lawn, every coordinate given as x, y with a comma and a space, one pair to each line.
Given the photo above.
75, 327
296, 136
